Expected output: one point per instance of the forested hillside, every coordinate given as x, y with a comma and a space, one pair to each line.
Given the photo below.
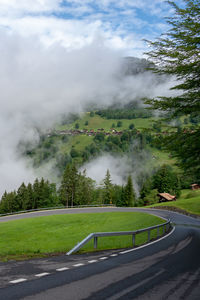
90, 135
71, 144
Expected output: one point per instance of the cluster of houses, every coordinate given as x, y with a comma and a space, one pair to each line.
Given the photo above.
90, 132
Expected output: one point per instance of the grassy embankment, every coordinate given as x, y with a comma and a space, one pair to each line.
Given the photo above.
42, 236
189, 201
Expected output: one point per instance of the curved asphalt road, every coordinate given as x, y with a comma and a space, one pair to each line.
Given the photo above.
167, 269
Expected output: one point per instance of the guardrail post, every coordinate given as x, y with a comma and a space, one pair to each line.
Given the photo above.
133, 239
149, 233
95, 242
158, 231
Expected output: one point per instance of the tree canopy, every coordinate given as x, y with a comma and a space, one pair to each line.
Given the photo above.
177, 52
107, 188
129, 193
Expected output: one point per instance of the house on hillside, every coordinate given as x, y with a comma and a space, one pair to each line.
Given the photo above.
165, 197
195, 186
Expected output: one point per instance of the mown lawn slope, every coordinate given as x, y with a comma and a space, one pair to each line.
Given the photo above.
37, 237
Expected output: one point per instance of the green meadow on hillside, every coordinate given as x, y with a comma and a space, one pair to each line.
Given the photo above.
188, 201
80, 142
98, 122
41, 236
59, 149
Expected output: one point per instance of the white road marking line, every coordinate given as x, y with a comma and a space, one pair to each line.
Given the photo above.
62, 269
114, 255
134, 249
102, 258
92, 261
18, 280
42, 274
78, 265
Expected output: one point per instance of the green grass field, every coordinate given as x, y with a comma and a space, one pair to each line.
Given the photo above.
162, 157
79, 142
41, 236
189, 201
97, 122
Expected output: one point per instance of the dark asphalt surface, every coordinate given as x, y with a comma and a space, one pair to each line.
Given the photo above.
167, 269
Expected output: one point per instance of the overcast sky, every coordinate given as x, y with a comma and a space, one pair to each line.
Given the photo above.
122, 24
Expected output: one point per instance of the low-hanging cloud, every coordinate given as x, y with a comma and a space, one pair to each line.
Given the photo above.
120, 167
38, 84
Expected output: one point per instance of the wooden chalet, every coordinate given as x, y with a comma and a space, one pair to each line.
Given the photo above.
165, 197
195, 186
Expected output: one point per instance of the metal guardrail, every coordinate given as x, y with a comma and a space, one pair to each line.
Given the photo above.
55, 207
166, 227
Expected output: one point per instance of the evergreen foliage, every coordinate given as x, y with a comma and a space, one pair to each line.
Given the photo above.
185, 146
75, 188
151, 197
119, 124
177, 53
124, 113
129, 194
166, 181
37, 195
107, 188
118, 195
131, 126
77, 125
85, 190
68, 188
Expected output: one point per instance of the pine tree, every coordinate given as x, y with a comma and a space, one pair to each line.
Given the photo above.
177, 53
36, 193
165, 180
85, 189
8, 203
129, 194
22, 197
3, 203
69, 185
119, 196
30, 200
107, 188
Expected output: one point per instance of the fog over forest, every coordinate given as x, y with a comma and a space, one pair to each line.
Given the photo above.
39, 84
